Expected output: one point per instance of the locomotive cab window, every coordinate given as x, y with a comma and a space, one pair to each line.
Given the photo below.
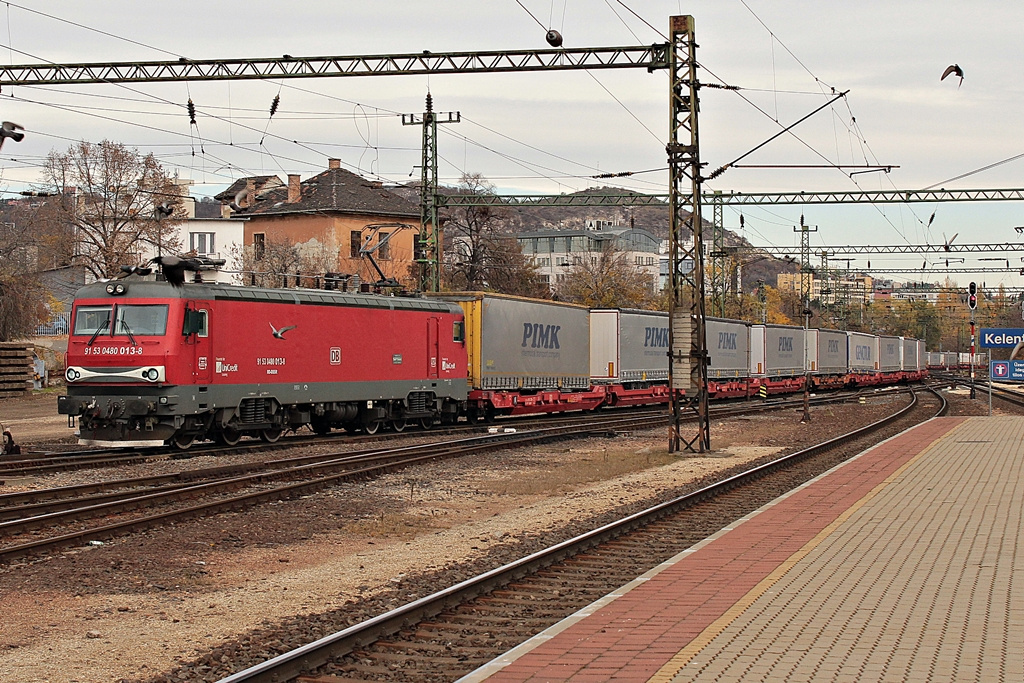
195, 322
92, 319
459, 331
141, 320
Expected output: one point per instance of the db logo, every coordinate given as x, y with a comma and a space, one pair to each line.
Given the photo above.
335, 355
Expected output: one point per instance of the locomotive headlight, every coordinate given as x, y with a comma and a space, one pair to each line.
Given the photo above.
152, 374
115, 288
72, 374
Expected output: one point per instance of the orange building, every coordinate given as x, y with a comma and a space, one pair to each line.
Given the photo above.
330, 217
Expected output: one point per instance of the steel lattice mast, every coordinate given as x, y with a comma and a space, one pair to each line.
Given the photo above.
687, 342
430, 243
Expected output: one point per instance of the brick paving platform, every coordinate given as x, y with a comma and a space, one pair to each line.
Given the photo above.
898, 565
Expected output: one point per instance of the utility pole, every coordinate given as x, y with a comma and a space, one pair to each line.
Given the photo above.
825, 292
806, 269
687, 333
806, 276
718, 256
762, 300
972, 303
430, 243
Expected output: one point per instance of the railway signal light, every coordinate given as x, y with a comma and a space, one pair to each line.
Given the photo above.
972, 297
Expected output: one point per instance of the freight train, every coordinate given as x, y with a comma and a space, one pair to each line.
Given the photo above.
152, 363
951, 360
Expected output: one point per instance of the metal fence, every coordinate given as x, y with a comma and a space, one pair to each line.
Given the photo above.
57, 326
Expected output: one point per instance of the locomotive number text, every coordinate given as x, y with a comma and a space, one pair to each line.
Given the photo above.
113, 351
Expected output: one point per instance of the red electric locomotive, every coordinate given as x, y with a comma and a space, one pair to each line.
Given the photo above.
150, 363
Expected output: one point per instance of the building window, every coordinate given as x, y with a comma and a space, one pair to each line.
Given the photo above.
355, 241
544, 262
201, 242
384, 246
568, 244
259, 245
535, 243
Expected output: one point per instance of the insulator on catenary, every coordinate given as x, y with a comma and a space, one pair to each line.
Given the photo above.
554, 38
191, 112
274, 104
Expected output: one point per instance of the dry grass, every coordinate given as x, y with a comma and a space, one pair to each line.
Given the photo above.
574, 467
389, 525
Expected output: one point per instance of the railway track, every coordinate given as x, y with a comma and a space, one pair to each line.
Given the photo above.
94, 458
38, 521
444, 635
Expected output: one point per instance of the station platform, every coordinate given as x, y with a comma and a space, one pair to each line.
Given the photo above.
905, 563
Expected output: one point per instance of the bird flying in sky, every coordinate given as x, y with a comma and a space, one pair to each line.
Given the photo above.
279, 333
954, 69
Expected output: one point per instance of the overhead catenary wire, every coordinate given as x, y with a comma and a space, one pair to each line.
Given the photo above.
149, 46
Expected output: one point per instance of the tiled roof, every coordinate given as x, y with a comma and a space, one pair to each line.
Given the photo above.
336, 190
260, 182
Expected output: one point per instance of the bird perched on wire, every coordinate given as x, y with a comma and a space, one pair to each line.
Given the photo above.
174, 268
954, 69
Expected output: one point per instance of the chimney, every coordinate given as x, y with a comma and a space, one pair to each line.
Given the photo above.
294, 188
333, 163
250, 193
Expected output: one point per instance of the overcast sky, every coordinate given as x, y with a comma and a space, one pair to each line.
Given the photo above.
550, 132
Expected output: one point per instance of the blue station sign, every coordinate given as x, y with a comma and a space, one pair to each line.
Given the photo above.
1006, 370
996, 338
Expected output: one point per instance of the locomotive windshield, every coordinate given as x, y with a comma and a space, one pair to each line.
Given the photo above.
144, 321
128, 319
90, 319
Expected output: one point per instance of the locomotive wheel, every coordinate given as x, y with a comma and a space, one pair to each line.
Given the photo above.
228, 437
489, 414
183, 441
426, 422
398, 425
270, 435
472, 416
371, 427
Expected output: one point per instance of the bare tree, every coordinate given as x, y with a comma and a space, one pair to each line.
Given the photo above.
509, 271
109, 196
281, 262
469, 230
608, 280
22, 297
480, 252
